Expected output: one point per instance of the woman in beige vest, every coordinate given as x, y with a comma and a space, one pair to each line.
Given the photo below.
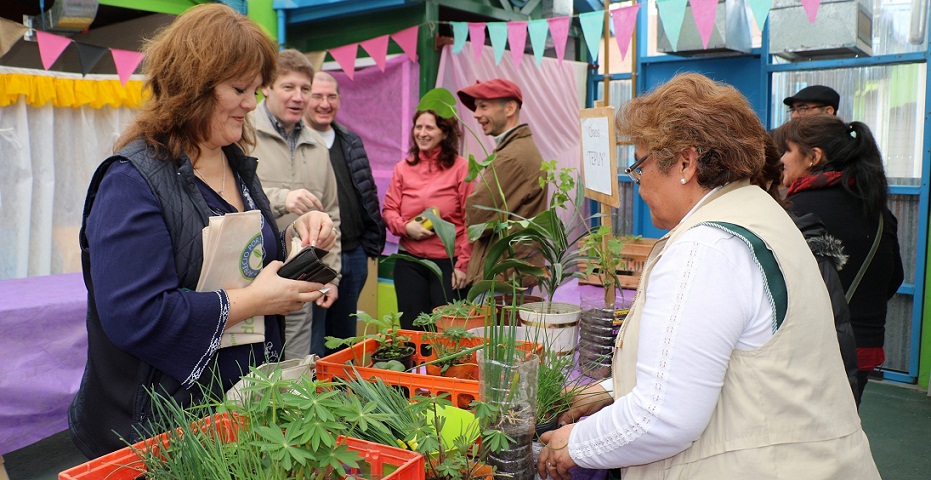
727, 365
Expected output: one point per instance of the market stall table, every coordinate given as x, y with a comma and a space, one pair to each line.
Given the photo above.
43, 350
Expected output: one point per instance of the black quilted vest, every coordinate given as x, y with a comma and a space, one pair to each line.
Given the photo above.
113, 395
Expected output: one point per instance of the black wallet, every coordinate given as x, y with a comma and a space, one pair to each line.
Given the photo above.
307, 266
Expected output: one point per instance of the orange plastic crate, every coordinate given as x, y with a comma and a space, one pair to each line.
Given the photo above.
460, 391
386, 463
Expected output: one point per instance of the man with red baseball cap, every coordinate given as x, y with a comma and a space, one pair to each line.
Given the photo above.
496, 105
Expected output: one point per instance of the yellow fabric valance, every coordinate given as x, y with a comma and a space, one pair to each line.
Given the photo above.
64, 91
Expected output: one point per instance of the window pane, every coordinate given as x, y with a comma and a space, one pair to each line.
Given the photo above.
890, 99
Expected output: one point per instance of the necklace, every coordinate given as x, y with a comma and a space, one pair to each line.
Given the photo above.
222, 182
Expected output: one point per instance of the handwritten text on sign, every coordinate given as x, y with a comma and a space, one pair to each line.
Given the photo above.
596, 153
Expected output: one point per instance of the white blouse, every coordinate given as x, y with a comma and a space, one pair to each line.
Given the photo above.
705, 298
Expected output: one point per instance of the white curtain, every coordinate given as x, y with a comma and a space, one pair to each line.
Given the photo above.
47, 157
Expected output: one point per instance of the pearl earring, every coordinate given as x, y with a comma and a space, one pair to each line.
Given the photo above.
682, 181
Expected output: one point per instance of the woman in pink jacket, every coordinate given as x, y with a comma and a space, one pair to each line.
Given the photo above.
432, 177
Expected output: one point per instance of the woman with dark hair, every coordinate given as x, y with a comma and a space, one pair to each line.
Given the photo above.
713, 371
177, 167
433, 177
834, 170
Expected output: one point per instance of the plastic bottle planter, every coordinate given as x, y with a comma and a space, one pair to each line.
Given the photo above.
512, 387
598, 330
555, 325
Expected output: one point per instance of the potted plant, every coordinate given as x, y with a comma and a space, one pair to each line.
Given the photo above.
454, 358
461, 313
294, 428
451, 439
395, 350
602, 316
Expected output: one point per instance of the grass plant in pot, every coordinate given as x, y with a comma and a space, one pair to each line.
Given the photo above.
445, 435
280, 428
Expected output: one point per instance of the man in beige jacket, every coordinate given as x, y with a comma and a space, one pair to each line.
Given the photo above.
295, 170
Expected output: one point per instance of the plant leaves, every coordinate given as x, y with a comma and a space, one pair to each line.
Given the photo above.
441, 101
428, 264
446, 231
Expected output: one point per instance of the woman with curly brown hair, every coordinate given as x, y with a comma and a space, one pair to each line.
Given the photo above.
433, 177
713, 373
179, 165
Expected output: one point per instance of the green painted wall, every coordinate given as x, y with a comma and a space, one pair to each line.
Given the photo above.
261, 12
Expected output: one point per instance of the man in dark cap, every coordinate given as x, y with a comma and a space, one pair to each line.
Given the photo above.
517, 164
813, 100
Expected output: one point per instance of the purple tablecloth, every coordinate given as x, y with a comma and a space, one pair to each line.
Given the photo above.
43, 350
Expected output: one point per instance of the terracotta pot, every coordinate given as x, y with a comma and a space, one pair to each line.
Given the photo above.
476, 319
467, 371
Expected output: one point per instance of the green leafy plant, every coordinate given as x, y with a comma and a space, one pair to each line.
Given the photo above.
447, 345
386, 331
602, 251
282, 429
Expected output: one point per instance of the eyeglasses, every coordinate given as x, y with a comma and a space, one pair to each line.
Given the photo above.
332, 98
634, 171
804, 108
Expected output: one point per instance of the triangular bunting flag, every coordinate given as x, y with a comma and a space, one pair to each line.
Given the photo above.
126, 62
592, 27
89, 55
377, 48
407, 40
517, 39
50, 47
625, 19
10, 33
811, 8
760, 10
477, 36
671, 13
538, 30
704, 12
559, 29
498, 32
345, 56
460, 33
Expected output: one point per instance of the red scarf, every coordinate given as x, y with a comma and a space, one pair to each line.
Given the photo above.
815, 182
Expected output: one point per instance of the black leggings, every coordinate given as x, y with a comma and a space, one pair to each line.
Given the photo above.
419, 291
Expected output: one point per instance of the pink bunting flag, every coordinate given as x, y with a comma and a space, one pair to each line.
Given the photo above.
625, 19
704, 12
345, 56
559, 30
50, 47
477, 37
407, 40
517, 39
126, 62
377, 48
811, 8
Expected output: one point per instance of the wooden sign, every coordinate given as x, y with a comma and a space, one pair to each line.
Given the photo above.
599, 155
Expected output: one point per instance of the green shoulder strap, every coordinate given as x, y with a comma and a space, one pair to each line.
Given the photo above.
775, 282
